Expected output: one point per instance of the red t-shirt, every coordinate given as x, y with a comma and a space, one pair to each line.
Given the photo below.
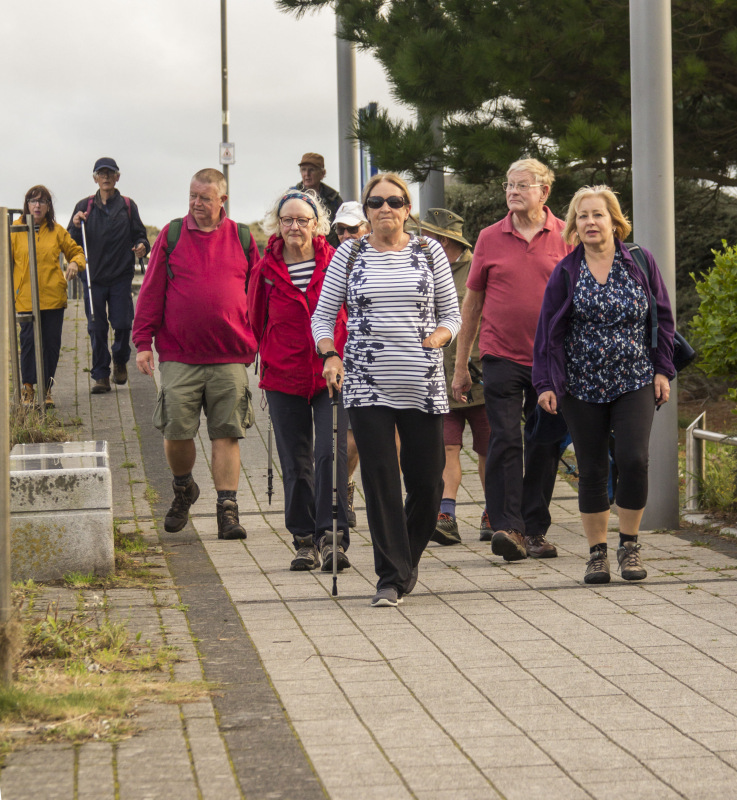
513, 273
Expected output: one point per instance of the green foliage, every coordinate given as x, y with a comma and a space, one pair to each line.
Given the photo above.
715, 324
520, 77
30, 426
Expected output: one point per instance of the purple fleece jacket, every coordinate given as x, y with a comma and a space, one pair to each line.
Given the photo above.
549, 359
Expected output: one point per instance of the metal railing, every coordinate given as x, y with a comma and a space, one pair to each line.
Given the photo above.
696, 457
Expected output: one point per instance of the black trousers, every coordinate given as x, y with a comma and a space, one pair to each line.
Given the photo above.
400, 528
629, 418
113, 307
307, 463
519, 480
52, 322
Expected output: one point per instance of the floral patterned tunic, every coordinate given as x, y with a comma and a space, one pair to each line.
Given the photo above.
606, 343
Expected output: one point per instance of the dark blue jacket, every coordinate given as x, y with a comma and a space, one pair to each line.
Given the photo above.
549, 359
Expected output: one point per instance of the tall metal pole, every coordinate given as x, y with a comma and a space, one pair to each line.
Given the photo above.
432, 190
654, 218
6, 610
347, 150
224, 86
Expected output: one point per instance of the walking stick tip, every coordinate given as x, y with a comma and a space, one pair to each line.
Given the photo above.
335, 587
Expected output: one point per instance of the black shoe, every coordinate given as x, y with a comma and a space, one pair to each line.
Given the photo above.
630, 562
326, 552
351, 509
446, 530
485, 530
120, 373
307, 556
229, 526
100, 386
597, 568
184, 496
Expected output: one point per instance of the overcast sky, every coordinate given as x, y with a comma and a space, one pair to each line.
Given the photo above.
139, 80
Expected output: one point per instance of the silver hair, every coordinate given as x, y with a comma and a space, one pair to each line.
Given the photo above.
270, 222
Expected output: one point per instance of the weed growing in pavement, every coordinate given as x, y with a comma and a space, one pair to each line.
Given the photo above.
128, 465
80, 677
80, 580
30, 426
152, 496
700, 543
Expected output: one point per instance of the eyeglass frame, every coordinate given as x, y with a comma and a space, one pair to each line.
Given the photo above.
394, 197
292, 220
507, 184
37, 201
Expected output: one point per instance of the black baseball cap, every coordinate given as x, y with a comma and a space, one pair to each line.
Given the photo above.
105, 163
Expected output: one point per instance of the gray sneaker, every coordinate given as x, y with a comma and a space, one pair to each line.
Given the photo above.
630, 562
446, 530
307, 556
597, 568
385, 598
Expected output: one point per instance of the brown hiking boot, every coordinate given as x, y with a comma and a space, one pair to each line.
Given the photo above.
597, 568
100, 386
184, 496
120, 373
509, 544
539, 547
229, 526
630, 562
28, 395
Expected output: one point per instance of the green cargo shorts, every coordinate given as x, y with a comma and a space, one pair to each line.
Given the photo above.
220, 390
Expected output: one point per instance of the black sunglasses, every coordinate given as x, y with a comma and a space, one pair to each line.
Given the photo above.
341, 229
393, 202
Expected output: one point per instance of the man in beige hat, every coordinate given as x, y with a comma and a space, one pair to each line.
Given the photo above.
312, 170
447, 228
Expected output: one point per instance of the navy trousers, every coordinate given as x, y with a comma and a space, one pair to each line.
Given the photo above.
113, 307
52, 321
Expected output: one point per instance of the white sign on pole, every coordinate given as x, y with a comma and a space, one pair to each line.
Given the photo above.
227, 153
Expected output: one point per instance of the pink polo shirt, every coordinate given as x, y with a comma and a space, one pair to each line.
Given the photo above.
513, 273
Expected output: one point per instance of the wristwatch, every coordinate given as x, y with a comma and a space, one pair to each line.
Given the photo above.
329, 354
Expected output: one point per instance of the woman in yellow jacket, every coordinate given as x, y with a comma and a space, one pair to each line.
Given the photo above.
51, 240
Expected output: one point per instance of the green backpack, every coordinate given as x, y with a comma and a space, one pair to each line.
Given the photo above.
175, 230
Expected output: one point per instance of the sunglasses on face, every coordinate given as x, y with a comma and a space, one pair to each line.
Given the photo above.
393, 202
352, 229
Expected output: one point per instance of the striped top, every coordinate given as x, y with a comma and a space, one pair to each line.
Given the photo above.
394, 300
301, 273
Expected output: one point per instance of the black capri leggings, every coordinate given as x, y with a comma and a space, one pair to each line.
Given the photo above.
629, 417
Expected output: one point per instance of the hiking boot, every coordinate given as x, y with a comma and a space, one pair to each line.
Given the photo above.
326, 551
485, 531
630, 562
509, 544
100, 386
28, 395
446, 530
120, 373
597, 568
229, 526
49, 401
184, 496
539, 547
351, 510
307, 556
385, 598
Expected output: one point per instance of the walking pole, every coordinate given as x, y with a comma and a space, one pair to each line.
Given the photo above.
336, 537
270, 469
89, 274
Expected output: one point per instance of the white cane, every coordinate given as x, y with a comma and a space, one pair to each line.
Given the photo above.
89, 274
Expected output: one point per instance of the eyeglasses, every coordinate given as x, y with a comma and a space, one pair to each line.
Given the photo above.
352, 229
37, 201
393, 202
302, 222
520, 187
105, 173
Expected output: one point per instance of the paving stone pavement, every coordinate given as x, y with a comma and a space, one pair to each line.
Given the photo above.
492, 680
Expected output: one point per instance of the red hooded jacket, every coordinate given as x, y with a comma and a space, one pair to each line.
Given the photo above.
280, 314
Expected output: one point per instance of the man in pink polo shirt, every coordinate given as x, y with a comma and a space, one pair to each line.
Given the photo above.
193, 305
511, 265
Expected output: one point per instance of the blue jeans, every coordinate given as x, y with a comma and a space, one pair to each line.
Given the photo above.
113, 307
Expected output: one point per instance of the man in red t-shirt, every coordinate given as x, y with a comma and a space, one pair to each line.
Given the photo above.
193, 305
511, 265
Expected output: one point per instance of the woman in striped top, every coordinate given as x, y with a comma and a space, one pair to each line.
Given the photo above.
282, 295
402, 307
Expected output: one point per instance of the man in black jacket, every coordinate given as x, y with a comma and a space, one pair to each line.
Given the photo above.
115, 237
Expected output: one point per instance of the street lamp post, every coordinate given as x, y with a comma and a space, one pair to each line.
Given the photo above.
224, 88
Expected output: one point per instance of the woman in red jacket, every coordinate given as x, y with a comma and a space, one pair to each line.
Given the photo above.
282, 295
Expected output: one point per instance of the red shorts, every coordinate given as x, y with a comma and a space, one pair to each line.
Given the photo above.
455, 421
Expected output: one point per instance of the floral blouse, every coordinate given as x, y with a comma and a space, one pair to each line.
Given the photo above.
606, 343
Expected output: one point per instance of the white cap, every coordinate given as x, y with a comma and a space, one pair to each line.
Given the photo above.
350, 213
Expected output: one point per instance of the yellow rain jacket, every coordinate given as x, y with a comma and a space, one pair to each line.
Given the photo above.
52, 285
